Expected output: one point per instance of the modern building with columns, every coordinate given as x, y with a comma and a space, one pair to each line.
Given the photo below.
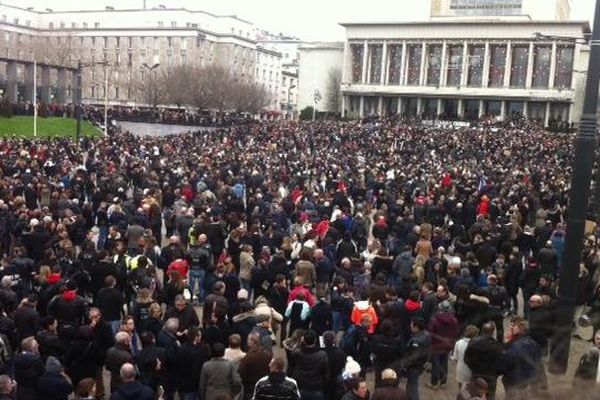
459, 69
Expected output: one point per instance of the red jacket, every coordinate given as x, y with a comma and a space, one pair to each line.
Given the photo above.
310, 298
179, 265
444, 330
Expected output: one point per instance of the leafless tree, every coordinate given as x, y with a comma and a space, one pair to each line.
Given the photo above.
179, 85
150, 88
334, 95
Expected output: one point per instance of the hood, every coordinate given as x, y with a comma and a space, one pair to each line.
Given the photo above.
412, 305
131, 390
480, 299
244, 316
362, 305
70, 295
445, 318
53, 278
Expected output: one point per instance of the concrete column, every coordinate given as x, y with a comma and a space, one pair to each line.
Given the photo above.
399, 109
12, 82
345, 62
365, 63
61, 82
423, 75
465, 64
439, 106
46, 85
507, 65
343, 112
502, 110
444, 64
361, 108
403, 64
552, 65
461, 107
547, 116
380, 106
486, 65
384, 63
419, 106
529, 67
74, 86
29, 71
525, 109
481, 110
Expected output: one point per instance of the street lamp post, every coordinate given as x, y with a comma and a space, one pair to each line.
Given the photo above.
78, 100
317, 99
585, 144
151, 68
288, 100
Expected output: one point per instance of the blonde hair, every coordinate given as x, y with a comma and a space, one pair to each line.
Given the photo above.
154, 310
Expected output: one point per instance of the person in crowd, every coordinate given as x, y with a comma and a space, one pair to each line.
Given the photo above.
54, 384
254, 365
523, 370
131, 388
357, 389
444, 329
218, 377
484, 357
388, 388
28, 369
417, 353
150, 360
116, 356
276, 385
190, 358
309, 366
463, 372
168, 340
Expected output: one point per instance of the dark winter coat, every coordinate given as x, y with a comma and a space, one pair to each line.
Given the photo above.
190, 358
311, 368
54, 386
522, 362
28, 369
133, 391
484, 356
389, 390
444, 330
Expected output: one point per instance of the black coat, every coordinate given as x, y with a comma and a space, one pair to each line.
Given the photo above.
110, 302
146, 363
170, 343
311, 369
133, 391
28, 369
190, 358
54, 386
484, 357
321, 317
50, 345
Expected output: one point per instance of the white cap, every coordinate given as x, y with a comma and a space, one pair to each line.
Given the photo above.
34, 222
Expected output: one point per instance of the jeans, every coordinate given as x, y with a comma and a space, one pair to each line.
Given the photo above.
197, 276
339, 321
312, 395
188, 396
439, 369
412, 382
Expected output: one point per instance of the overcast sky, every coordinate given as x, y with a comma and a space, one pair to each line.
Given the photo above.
307, 19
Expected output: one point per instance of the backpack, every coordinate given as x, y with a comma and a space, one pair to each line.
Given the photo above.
349, 340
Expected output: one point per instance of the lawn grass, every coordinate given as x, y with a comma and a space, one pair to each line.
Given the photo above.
22, 126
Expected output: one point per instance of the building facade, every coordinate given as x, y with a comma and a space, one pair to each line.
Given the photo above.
268, 75
540, 10
453, 69
127, 39
320, 62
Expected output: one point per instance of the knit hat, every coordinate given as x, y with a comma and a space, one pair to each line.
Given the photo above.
242, 294
352, 368
388, 374
53, 365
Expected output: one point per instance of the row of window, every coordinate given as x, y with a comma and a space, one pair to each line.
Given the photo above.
429, 68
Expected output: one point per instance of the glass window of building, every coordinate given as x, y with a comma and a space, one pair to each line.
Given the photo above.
455, 63
356, 51
370, 105
471, 109
410, 106
375, 60
475, 65
429, 108
536, 111
415, 52
541, 66
493, 108
564, 67
515, 109
434, 64
394, 63
518, 67
450, 108
497, 65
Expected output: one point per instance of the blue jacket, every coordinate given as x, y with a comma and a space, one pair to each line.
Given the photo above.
522, 364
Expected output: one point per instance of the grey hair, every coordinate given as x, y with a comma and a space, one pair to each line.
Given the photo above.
122, 337
172, 324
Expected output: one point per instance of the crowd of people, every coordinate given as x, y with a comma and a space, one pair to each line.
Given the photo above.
287, 260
